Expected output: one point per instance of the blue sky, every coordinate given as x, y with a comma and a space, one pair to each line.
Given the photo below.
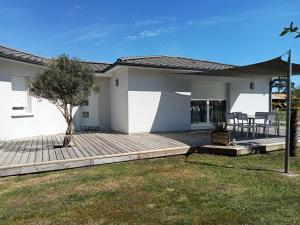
230, 31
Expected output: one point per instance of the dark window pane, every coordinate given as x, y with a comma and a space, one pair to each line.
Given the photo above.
18, 108
85, 114
199, 112
217, 111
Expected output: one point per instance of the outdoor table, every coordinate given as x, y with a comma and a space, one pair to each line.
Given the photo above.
251, 119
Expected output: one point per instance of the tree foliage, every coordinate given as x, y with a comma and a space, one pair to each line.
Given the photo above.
291, 29
279, 84
67, 83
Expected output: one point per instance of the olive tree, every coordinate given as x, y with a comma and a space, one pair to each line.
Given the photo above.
67, 83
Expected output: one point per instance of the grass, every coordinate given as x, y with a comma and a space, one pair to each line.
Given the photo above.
205, 190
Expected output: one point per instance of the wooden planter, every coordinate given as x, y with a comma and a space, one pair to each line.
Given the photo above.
220, 138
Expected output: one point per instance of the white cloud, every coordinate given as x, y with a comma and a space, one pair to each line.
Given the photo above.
215, 20
94, 33
150, 33
90, 35
155, 21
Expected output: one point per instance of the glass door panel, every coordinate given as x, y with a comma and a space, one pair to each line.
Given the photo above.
217, 111
199, 112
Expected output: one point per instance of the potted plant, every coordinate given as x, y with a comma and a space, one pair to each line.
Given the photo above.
220, 135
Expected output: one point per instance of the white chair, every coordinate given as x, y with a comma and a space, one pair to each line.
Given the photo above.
230, 121
270, 122
243, 122
260, 119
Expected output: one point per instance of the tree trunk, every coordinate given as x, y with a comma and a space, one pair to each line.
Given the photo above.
294, 124
68, 136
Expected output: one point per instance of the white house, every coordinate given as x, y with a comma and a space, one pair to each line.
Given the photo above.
138, 94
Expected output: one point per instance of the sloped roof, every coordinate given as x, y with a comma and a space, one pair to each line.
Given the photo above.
14, 54
169, 62
273, 67
21, 56
98, 67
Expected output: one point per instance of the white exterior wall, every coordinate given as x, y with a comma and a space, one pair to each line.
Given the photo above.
146, 100
158, 101
119, 100
246, 100
104, 104
45, 119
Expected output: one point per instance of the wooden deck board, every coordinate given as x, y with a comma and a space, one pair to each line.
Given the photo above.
112, 145
87, 146
24, 157
81, 147
5, 151
12, 152
106, 144
46, 153
39, 150
32, 151
57, 150
64, 150
20, 152
45, 149
51, 151
100, 146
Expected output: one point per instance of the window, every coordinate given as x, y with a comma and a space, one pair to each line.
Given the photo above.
19, 94
85, 114
117, 82
207, 111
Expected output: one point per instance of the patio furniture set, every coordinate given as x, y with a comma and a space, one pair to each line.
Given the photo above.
261, 120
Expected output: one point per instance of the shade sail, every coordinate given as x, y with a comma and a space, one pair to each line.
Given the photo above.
272, 67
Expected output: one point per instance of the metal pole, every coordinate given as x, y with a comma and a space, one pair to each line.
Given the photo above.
288, 113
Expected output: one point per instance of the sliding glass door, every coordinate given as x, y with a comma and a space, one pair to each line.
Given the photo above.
217, 111
207, 111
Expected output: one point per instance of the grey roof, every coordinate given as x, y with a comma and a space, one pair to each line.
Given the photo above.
10, 53
159, 61
169, 62
98, 67
21, 56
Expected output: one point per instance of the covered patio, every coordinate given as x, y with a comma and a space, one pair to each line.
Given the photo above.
276, 67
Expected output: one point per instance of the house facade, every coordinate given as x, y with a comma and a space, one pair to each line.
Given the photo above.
137, 94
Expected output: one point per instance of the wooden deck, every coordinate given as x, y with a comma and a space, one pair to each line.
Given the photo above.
45, 154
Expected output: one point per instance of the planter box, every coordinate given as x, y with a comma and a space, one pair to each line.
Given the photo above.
220, 138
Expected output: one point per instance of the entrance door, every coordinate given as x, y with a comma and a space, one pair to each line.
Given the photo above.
205, 112
89, 112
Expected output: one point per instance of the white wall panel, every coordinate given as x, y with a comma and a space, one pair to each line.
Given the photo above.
158, 102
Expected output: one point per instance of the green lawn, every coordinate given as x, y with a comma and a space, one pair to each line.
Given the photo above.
206, 190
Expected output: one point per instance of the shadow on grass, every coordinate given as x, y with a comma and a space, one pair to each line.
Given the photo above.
234, 167
226, 166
